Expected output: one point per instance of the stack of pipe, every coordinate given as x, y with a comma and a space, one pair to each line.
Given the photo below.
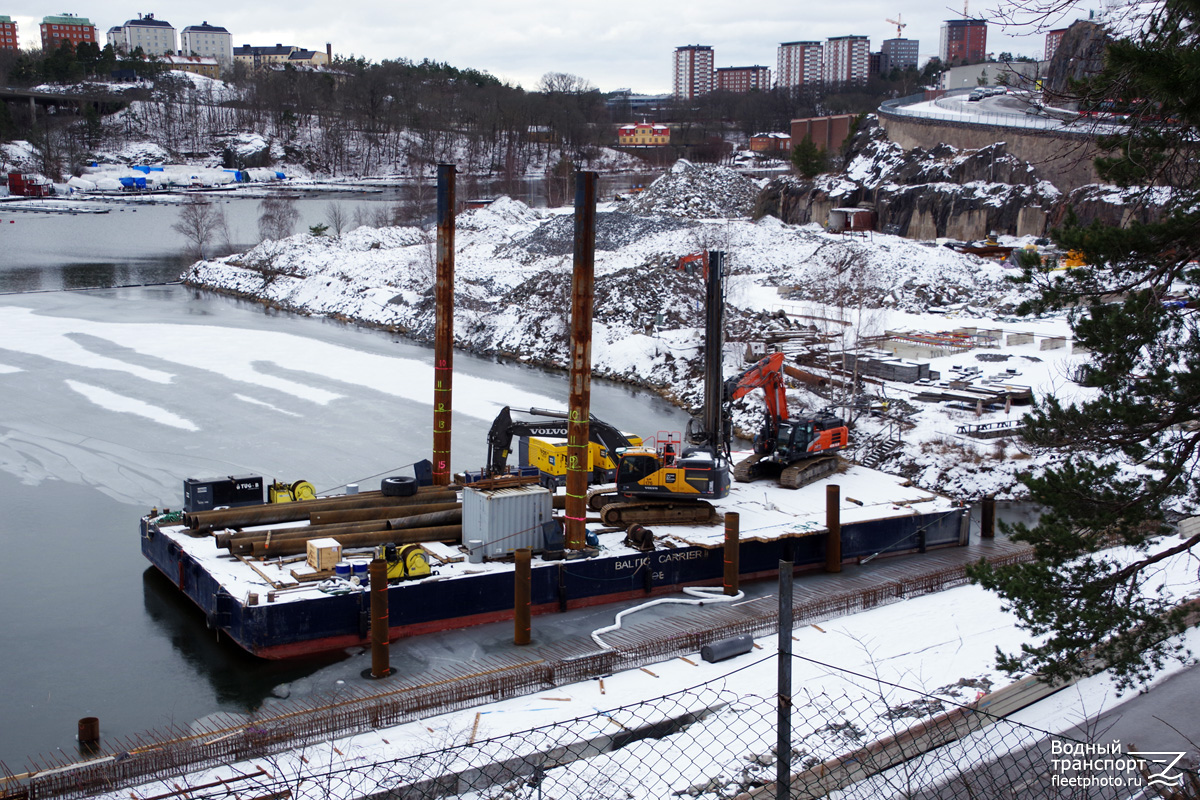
270, 513
367, 520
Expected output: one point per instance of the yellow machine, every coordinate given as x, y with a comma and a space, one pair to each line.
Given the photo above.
405, 563
279, 492
549, 455
543, 444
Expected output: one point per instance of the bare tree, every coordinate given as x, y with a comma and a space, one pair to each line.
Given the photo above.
335, 217
565, 83
200, 222
277, 217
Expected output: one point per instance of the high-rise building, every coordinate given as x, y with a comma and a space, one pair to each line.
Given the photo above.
743, 79
798, 63
693, 71
8, 34
66, 28
207, 40
846, 59
1053, 40
155, 36
899, 54
964, 41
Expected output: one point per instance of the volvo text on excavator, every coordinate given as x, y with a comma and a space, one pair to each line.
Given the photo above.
796, 451
670, 481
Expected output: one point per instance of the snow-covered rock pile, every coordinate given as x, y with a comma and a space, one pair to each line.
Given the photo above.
513, 277
614, 230
697, 191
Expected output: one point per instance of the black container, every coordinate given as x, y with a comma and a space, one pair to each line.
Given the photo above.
202, 494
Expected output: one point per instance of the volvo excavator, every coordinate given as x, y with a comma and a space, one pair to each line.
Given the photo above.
795, 451
670, 481
539, 449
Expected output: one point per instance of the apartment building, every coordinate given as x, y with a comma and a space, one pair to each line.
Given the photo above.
8, 34
156, 37
212, 41
798, 64
899, 54
1053, 40
846, 59
742, 80
964, 41
693, 71
67, 28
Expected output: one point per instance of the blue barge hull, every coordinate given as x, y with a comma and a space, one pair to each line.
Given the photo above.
298, 627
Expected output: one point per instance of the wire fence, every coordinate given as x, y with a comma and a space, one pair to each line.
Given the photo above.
304, 724
871, 739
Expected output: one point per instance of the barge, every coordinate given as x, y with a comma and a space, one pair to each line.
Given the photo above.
273, 606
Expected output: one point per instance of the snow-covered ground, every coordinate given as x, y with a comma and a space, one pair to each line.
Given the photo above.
939, 648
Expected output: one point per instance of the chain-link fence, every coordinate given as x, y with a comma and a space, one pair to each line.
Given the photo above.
868, 739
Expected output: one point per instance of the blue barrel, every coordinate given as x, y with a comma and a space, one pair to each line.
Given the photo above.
342, 570
361, 571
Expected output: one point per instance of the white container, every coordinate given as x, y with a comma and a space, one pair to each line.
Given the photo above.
506, 520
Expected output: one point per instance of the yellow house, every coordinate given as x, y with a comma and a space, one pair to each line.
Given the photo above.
201, 65
644, 134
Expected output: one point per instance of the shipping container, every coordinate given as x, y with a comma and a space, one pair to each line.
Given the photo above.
506, 520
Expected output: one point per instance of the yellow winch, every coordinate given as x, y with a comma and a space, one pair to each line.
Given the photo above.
279, 492
406, 563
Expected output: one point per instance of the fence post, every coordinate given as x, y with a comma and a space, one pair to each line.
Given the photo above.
783, 719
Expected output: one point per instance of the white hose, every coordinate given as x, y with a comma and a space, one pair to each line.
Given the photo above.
704, 594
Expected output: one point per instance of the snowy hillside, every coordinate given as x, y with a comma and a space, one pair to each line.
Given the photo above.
513, 275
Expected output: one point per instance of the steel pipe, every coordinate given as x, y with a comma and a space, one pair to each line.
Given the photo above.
443, 334
522, 596
732, 551
833, 521
380, 655
391, 512
582, 298
440, 533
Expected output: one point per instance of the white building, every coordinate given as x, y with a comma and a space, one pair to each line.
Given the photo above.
847, 59
155, 36
207, 40
798, 64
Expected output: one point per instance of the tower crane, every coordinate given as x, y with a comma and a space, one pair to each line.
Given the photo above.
900, 26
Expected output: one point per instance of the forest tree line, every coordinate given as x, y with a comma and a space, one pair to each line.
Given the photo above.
362, 117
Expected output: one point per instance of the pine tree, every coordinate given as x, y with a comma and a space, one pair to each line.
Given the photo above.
1130, 454
808, 159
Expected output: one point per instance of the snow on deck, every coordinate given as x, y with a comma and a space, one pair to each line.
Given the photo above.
767, 512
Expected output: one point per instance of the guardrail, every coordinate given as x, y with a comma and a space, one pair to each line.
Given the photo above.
1073, 126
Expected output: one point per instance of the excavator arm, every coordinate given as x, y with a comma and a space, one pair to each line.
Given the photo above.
767, 375
504, 428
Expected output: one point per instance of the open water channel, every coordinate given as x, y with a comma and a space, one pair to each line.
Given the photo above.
112, 396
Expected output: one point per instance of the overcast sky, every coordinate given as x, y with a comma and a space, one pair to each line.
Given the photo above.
610, 44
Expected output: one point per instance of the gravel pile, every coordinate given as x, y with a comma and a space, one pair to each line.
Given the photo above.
614, 230
697, 191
